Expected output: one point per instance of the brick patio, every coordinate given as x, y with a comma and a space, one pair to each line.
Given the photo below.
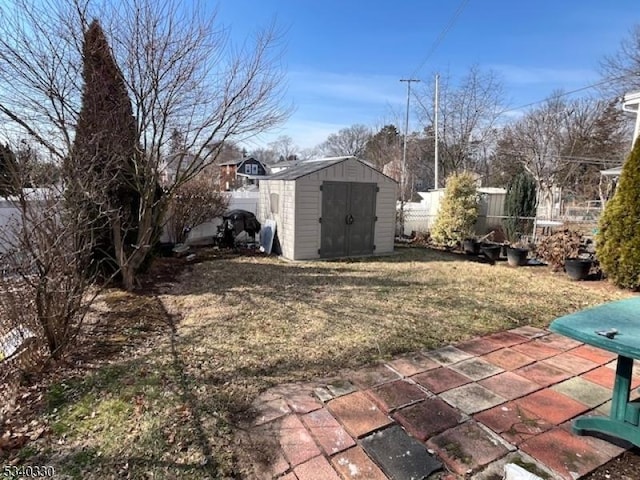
461, 411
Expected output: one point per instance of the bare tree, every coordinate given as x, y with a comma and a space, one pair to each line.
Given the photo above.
468, 113
622, 68
555, 141
284, 148
180, 70
348, 141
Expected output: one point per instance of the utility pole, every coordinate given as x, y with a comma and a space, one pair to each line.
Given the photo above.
403, 171
435, 122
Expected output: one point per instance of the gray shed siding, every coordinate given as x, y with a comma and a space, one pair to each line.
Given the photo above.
300, 229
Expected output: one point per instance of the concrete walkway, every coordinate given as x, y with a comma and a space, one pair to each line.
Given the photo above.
458, 412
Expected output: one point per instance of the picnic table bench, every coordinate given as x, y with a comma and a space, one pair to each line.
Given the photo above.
614, 327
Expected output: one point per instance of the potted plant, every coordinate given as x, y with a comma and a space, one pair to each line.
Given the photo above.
565, 250
578, 268
517, 254
491, 250
471, 246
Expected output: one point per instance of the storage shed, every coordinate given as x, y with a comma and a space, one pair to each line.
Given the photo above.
329, 208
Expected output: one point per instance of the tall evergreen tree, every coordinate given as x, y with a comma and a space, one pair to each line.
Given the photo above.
520, 203
618, 242
8, 172
101, 168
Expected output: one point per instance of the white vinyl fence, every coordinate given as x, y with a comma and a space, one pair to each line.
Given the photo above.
237, 201
420, 216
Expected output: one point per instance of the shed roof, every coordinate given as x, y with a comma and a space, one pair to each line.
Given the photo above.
310, 166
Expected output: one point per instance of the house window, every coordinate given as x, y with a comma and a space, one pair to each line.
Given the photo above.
254, 169
247, 169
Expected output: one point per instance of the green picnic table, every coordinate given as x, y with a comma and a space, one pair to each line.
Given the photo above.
614, 327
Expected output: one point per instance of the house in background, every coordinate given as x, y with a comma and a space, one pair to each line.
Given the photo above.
631, 104
243, 173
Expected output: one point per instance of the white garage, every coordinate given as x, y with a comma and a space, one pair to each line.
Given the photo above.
330, 208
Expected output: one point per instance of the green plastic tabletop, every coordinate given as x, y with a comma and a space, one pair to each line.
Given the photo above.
623, 318
622, 315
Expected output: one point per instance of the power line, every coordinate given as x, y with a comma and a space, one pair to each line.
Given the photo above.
570, 92
441, 36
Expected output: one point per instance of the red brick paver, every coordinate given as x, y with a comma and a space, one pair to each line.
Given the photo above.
551, 406
509, 385
295, 440
267, 411
302, 403
543, 374
479, 346
428, 418
358, 414
289, 476
560, 342
354, 464
570, 456
606, 376
372, 376
326, 430
467, 447
514, 423
572, 363
413, 364
317, 468
594, 354
400, 393
536, 350
441, 379
508, 359
507, 339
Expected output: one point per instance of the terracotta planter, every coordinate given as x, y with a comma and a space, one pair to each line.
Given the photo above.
517, 257
577, 268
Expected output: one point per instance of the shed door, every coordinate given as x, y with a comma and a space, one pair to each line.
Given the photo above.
348, 218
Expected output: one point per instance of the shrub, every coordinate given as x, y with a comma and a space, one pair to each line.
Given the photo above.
520, 202
618, 240
555, 248
458, 210
194, 202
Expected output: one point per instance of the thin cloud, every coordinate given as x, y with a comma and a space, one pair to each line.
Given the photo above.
338, 87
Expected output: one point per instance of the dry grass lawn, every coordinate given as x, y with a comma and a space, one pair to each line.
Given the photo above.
197, 352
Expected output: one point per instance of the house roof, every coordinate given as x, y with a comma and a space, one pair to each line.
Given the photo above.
240, 161
310, 166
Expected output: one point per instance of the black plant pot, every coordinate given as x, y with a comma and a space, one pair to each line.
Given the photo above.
517, 257
471, 246
577, 268
491, 251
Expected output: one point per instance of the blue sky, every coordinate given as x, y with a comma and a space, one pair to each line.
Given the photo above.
344, 58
